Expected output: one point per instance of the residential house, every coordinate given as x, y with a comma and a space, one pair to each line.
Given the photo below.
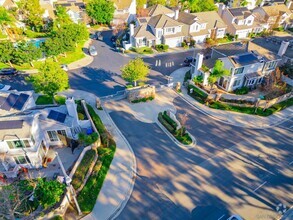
162, 25
8, 4
125, 11
28, 139
275, 15
271, 2
202, 25
248, 65
74, 8
240, 21
159, 27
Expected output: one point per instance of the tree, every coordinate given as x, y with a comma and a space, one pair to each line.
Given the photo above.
182, 119
135, 70
199, 5
102, 11
5, 18
62, 18
32, 13
140, 3
25, 53
287, 69
49, 192
6, 52
50, 79
155, 2
217, 72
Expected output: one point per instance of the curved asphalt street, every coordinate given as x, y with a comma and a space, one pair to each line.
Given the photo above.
232, 169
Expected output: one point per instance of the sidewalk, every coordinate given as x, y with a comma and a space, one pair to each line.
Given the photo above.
170, 51
230, 117
119, 182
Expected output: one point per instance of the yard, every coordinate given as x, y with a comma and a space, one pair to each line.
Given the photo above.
46, 100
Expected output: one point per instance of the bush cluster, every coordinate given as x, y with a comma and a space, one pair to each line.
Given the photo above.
237, 101
197, 94
143, 99
162, 47
241, 91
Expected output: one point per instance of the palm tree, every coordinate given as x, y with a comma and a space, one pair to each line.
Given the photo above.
217, 72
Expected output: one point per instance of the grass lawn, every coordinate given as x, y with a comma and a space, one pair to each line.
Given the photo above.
83, 168
44, 100
90, 192
70, 57
142, 50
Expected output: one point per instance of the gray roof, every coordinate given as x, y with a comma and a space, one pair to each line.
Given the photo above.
15, 127
163, 21
144, 31
187, 18
240, 12
231, 48
158, 9
273, 44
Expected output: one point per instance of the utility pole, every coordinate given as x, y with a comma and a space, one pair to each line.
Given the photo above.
68, 183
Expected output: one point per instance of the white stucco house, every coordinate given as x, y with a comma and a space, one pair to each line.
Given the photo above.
26, 139
125, 11
248, 65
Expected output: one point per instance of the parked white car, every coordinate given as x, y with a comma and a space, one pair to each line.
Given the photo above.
93, 51
4, 87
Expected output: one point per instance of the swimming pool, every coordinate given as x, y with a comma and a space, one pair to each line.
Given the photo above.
37, 42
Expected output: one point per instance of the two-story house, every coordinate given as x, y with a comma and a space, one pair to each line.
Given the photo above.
240, 21
250, 4
248, 65
202, 25
27, 138
159, 27
125, 11
275, 15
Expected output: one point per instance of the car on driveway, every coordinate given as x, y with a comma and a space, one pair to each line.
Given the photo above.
93, 51
189, 60
4, 87
8, 71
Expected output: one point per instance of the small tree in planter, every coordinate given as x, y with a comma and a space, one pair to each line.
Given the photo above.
135, 70
217, 72
182, 119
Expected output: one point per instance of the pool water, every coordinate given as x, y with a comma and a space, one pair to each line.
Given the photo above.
38, 42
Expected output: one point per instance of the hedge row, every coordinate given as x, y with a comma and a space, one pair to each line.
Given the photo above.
165, 123
197, 94
237, 101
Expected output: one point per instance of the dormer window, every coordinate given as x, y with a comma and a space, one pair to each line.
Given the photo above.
170, 30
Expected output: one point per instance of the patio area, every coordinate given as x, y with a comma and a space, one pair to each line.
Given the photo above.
53, 168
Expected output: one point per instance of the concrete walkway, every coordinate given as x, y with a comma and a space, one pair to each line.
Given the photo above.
120, 179
238, 119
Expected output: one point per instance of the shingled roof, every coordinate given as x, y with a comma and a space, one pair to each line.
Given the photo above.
163, 21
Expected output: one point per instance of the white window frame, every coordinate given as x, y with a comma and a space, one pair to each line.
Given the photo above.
54, 137
13, 146
170, 30
237, 82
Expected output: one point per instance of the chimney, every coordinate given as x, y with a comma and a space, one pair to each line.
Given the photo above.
131, 27
72, 109
176, 14
283, 48
198, 64
221, 9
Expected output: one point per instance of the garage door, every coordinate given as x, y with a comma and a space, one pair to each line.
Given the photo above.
200, 39
173, 42
242, 34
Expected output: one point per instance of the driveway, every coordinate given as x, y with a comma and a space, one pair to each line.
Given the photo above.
232, 169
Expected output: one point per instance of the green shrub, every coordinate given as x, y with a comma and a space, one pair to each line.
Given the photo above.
80, 116
185, 138
241, 91
143, 50
32, 34
83, 168
183, 44
89, 194
169, 120
197, 94
237, 101
198, 79
60, 100
165, 123
187, 76
162, 47
44, 100
57, 217
88, 139
192, 43
143, 99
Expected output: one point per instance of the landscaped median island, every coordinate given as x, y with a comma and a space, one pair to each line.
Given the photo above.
235, 105
178, 131
88, 195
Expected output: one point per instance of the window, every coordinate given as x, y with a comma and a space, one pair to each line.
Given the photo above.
239, 70
18, 144
271, 65
22, 160
53, 135
259, 80
170, 30
160, 33
249, 22
236, 82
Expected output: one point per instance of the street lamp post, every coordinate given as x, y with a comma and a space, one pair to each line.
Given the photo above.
68, 183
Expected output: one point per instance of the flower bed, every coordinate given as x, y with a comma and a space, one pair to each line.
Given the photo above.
180, 134
83, 168
237, 101
197, 94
